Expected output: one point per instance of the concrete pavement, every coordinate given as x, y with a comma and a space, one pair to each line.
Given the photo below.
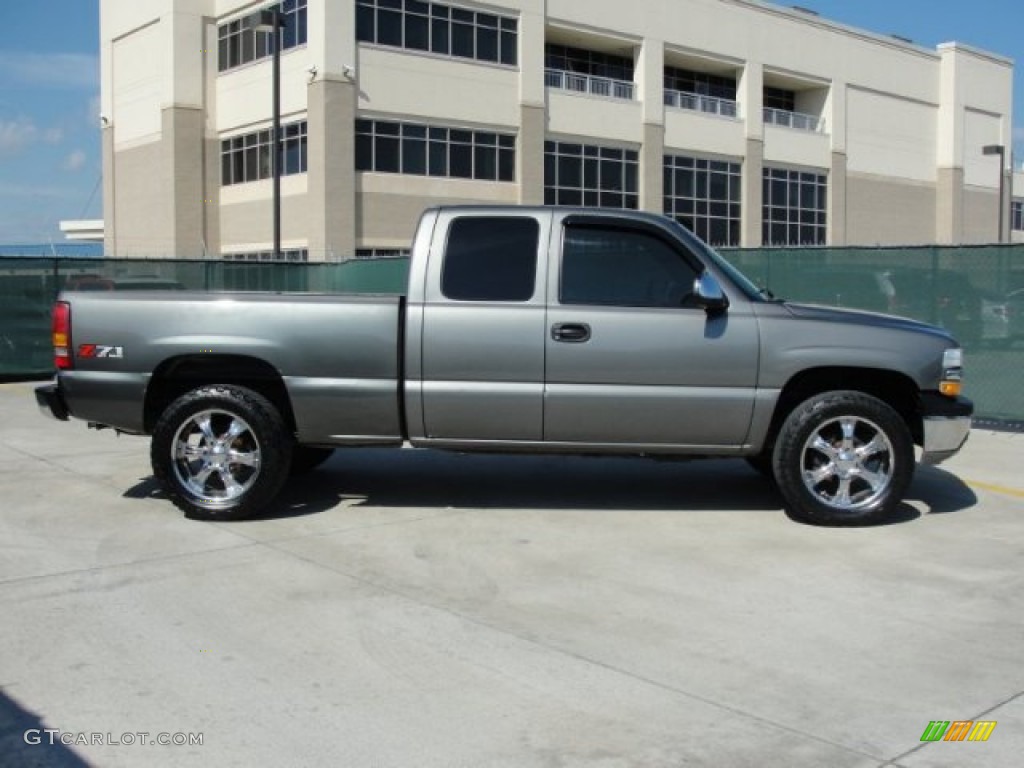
405, 608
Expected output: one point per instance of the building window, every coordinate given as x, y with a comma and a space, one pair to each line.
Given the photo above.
382, 253
491, 258
1017, 215
704, 196
386, 146
583, 62
292, 254
250, 157
686, 81
779, 98
238, 42
588, 175
795, 204
423, 26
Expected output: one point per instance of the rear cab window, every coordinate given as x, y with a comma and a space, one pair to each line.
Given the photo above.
491, 258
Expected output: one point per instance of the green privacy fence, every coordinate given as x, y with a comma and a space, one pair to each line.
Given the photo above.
977, 292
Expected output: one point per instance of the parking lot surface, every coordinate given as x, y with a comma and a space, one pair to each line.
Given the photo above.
407, 608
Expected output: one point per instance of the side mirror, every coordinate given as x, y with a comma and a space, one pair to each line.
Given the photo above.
708, 294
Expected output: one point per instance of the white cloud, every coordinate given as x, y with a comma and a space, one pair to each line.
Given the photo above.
17, 134
53, 135
74, 162
49, 70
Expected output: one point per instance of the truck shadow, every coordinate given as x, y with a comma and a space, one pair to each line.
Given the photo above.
433, 479
416, 478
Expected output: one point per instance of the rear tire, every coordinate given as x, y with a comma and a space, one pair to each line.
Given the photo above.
843, 458
221, 452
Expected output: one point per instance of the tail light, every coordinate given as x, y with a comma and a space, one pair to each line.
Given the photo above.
62, 359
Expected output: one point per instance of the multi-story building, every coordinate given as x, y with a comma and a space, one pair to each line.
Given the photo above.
752, 123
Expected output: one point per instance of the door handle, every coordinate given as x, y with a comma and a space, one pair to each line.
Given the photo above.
573, 333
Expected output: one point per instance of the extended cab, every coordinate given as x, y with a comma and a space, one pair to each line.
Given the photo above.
524, 330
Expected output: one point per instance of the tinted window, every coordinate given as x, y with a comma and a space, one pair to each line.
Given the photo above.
491, 258
623, 268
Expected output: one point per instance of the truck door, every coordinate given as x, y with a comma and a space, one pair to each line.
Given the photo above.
630, 358
483, 327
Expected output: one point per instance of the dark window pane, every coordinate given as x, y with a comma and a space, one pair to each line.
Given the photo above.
388, 129
365, 26
486, 44
508, 48
569, 197
485, 163
462, 40
438, 159
389, 27
570, 172
386, 155
439, 36
460, 161
414, 156
417, 32
490, 259
225, 169
506, 165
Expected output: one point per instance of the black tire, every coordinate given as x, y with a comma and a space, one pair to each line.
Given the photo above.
306, 458
843, 458
221, 452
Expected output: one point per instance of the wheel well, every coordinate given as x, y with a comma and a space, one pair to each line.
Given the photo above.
895, 389
178, 375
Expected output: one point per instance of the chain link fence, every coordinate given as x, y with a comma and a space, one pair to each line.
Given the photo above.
976, 292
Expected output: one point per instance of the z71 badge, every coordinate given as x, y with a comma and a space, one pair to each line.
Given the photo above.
100, 350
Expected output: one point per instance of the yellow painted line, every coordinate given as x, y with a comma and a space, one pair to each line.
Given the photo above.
997, 489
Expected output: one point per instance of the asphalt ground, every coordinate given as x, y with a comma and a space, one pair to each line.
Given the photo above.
413, 609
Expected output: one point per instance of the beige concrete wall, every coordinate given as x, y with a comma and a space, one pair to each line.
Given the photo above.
753, 194
838, 191
980, 215
949, 213
652, 166
140, 203
880, 211
331, 169
246, 215
530, 172
388, 206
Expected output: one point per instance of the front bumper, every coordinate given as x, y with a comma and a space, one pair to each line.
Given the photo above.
947, 424
51, 402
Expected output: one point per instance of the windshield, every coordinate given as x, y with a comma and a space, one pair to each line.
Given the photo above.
741, 281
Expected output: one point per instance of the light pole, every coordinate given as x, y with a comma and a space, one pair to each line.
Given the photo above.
999, 149
271, 20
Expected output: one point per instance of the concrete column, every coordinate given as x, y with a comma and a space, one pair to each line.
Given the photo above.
530, 154
109, 192
532, 104
331, 168
949, 198
650, 80
181, 149
753, 178
836, 235
652, 163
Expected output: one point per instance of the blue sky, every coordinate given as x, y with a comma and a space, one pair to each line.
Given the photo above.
50, 161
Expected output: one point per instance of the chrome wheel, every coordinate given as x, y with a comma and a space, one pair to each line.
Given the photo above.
847, 463
216, 457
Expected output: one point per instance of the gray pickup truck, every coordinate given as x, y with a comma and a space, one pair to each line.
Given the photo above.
542, 330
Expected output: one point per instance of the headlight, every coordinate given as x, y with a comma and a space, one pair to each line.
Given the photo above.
952, 372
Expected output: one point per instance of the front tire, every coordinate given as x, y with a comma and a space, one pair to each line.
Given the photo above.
221, 452
843, 458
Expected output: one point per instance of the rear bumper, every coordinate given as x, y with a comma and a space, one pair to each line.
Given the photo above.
51, 402
947, 424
